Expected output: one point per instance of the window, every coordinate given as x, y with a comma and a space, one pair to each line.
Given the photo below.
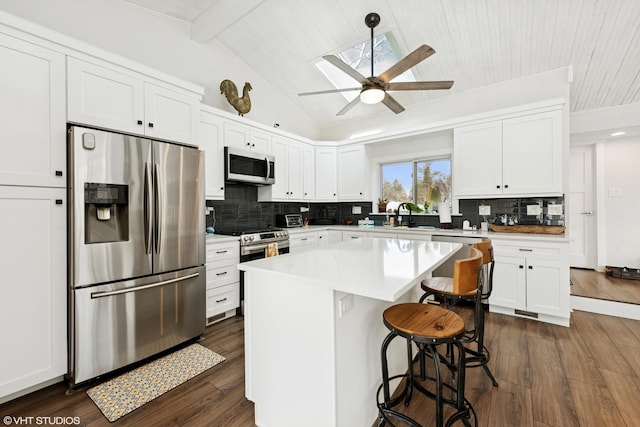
385, 54
416, 182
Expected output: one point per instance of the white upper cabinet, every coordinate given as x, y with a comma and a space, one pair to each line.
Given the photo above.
352, 173
521, 156
308, 172
288, 174
32, 115
326, 174
115, 98
532, 154
211, 142
245, 137
477, 159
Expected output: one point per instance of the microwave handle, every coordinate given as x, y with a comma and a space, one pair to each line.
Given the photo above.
266, 159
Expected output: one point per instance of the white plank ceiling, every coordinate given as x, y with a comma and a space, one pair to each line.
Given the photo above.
477, 42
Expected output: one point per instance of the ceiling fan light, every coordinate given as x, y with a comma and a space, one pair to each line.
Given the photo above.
372, 95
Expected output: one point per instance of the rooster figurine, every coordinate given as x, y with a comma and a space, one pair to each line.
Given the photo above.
242, 105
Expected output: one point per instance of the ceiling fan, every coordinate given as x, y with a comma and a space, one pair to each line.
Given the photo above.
374, 89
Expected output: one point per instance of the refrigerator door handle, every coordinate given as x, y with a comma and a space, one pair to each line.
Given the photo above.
148, 220
158, 206
139, 288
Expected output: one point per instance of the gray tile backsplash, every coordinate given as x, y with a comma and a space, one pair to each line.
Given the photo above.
517, 209
240, 209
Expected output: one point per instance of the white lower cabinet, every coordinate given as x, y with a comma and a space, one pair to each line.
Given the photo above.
299, 242
328, 237
352, 235
223, 280
33, 288
532, 280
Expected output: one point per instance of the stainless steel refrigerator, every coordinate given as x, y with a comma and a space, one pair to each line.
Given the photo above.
136, 249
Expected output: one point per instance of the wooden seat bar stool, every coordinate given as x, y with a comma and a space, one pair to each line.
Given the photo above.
428, 326
467, 284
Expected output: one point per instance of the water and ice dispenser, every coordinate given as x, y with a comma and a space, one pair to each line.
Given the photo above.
106, 212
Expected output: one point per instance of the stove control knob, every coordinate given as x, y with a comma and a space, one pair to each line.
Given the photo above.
251, 238
285, 234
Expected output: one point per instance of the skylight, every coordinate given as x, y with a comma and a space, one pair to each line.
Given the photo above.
385, 54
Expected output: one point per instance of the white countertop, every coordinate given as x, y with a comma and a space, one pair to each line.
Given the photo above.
432, 231
383, 269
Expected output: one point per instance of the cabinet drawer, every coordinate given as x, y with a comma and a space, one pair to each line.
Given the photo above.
223, 251
221, 273
223, 299
526, 249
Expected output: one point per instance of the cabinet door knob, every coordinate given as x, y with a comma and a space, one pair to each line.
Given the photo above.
150, 124
222, 188
58, 173
139, 122
506, 186
497, 186
521, 266
531, 267
361, 193
58, 201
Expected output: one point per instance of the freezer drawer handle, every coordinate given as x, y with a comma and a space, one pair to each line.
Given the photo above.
140, 288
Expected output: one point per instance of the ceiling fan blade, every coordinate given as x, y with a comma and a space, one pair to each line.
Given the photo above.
393, 105
320, 92
418, 55
434, 85
349, 106
337, 62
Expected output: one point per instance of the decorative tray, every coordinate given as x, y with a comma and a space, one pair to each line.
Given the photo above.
535, 229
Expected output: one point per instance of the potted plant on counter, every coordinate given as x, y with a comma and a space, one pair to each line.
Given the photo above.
382, 205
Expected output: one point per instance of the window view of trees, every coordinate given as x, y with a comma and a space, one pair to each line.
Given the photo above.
431, 180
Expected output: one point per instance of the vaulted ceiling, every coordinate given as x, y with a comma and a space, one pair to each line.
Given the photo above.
477, 43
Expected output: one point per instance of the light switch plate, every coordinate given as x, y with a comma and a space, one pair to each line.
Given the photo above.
484, 210
615, 192
356, 210
346, 304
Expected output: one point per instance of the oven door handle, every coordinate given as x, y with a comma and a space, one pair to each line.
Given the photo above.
253, 249
140, 288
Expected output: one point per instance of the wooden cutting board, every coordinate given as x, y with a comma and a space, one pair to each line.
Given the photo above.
537, 229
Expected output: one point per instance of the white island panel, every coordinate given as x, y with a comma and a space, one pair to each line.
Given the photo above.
311, 361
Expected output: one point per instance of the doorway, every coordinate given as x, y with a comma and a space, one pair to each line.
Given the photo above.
582, 219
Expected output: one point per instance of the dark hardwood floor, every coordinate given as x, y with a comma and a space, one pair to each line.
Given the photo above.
593, 284
585, 375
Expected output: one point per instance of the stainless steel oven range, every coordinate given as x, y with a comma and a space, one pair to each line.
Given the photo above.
255, 244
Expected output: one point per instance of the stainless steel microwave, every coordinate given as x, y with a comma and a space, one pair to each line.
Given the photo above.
247, 166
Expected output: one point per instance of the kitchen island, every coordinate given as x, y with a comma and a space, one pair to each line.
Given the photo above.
313, 327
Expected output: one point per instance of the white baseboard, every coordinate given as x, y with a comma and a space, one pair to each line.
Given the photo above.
610, 308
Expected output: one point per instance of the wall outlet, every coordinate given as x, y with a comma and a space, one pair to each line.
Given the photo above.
554, 209
345, 304
304, 209
356, 210
484, 210
533, 210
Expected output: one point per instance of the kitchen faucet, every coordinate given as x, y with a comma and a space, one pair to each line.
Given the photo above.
398, 213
